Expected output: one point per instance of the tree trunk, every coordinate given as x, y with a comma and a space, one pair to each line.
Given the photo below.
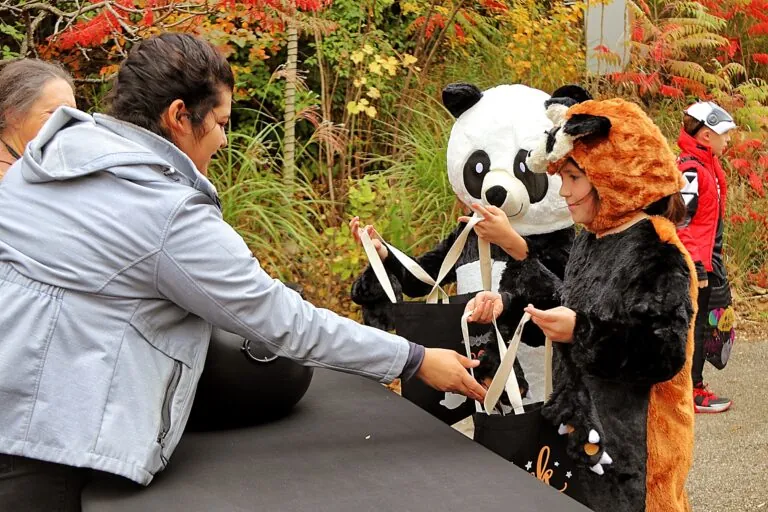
289, 137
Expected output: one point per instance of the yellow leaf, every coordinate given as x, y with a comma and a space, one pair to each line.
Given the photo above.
357, 57
363, 102
375, 67
353, 108
368, 49
358, 82
409, 7
409, 59
370, 111
373, 93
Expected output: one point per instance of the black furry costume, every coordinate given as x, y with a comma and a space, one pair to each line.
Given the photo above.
628, 337
622, 386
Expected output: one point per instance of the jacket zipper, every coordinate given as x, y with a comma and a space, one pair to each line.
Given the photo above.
173, 383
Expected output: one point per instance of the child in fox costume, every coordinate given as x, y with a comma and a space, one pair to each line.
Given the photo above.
624, 334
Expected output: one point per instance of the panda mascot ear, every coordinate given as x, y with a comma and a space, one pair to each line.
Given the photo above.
576, 93
460, 97
564, 97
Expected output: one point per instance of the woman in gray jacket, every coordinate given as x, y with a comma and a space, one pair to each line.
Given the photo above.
114, 264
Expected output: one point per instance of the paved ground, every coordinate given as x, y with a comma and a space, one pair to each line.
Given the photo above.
730, 472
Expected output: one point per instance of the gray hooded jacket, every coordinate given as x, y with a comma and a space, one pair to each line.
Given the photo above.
114, 264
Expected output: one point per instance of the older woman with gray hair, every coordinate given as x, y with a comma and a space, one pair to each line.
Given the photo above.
30, 91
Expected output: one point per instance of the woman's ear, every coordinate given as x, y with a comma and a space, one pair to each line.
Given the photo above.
176, 118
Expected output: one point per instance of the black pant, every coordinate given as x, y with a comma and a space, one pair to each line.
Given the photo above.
31, 485
699, 334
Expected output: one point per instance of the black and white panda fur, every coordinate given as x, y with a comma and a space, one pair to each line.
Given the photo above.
490, 140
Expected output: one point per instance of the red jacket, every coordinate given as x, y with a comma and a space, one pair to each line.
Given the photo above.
704, 176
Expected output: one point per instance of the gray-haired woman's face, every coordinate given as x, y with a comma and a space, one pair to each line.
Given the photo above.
55, 93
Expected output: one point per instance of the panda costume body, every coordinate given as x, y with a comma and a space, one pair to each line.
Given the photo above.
490, 140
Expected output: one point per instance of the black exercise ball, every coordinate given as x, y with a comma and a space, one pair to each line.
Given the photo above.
243, 384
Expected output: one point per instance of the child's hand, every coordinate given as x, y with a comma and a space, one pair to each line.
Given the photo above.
495, 229
354, 227
556, 323
486, 307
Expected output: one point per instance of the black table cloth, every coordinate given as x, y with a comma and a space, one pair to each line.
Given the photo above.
350, 445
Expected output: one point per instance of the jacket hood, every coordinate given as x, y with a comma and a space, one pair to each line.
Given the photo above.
73, 144
695, 148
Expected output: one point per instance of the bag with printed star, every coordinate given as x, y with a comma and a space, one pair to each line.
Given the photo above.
520, 433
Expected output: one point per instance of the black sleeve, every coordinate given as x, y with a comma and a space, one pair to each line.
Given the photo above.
645, 340
522, 283
701, 272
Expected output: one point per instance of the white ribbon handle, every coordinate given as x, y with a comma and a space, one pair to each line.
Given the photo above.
505, 378
500, 382
415, 269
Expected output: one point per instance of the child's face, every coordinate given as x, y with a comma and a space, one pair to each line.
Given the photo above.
717, 142
578, 192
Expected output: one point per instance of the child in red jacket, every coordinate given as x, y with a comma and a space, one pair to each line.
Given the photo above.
703, 138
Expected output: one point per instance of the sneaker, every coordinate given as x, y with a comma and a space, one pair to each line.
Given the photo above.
705, 401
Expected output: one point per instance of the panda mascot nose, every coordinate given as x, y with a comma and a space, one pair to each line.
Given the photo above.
496, 195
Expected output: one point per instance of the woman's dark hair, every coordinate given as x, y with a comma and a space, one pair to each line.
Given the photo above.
672, 207
22, 82
165, 68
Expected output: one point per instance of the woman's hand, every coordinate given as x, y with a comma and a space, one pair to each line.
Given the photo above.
354, 227
556, 323
495, 229
446, 370
486, 307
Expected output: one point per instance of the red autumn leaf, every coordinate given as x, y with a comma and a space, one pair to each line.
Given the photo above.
671, 92
759, 29
742, 165
763, 162
747, 145
760, 58
494, 5
638, 33
738, 219
732, 47
695, 88
89, 33
757, 185
459, 32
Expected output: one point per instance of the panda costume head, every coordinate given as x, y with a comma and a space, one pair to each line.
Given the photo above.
490, 140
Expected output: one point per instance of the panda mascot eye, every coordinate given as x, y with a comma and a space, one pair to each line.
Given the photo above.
535, 184
475, 168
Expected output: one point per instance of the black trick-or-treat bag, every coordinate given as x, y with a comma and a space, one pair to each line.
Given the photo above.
434, 323
520, 433
436, 326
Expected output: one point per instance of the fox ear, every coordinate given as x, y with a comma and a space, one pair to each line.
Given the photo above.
587, 125
558, 142
460, 97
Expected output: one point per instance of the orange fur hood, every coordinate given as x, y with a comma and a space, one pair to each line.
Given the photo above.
623, 153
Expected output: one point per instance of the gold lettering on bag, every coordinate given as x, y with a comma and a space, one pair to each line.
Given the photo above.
542, 472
